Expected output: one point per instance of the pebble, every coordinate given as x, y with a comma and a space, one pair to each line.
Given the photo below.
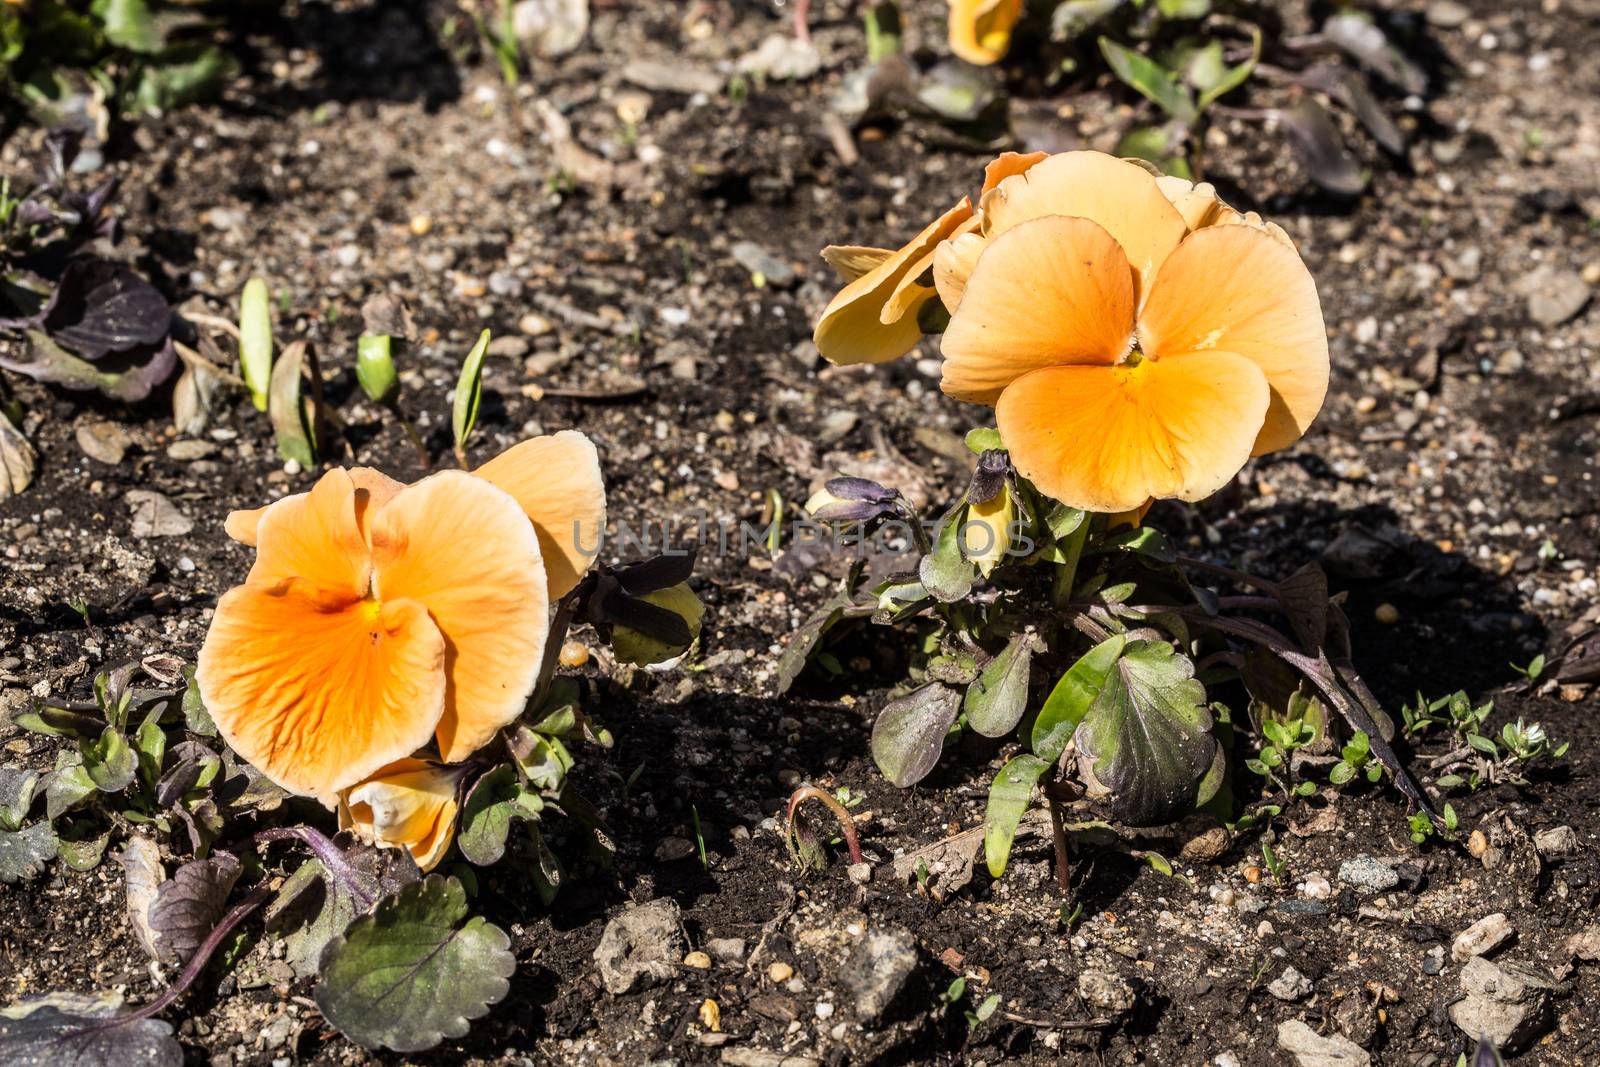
726, 949
1556, 841
421, 224
1482, 937
1509, 1005
666, 76
348, 255
779, 972
574, 654
860, 873
835, 427
1290, 986
190, 449
1554, 296
1387, 614
156, 516
534, 325
1446, 14
1311, 1049
1106, 992
763, 264
1433, 960
642, 945
877, 970
1316, 887
1365, 872
276, 1033
700, 961
103, 441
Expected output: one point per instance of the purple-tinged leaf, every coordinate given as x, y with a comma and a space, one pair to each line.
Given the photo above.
1321, 149
1350, 89
188, 905
909, 734
101, 307
1364, 41
128, 377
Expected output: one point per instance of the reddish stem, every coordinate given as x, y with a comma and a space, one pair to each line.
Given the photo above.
847, 822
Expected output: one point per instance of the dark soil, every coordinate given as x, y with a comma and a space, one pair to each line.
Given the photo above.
1451, 477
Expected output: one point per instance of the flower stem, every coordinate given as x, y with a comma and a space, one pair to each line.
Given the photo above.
847, 822
1058, 831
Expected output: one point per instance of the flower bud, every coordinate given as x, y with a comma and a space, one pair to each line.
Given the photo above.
987, 533
410, 804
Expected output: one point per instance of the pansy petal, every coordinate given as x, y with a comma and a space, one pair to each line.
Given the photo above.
558, 484
1050, 292
1107, 439
374, 489
852, 261
852, 329
1240, 289
320, 691
464, 548
1008, 163
316, 536
242, 525
1121, 197
954, 260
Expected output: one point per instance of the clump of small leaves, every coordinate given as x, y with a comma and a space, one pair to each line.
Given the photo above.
77, 64
1478, 756
1099, 652
90, 321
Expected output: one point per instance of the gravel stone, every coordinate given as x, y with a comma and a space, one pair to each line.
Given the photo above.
1482, 937
642, 945
1311, 1049
1364, 872
1510, 1005
156, 516
1290, 986
877, 970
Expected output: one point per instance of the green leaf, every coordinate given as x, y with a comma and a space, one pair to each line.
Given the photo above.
1150, 79
195, 715
1183, 9
805, 641
547, 870
1341, 773
983, 439
1484, 745
1009, 795
945, 572
494, 802
17, 788
909, 734
1146, 738
469, 391
1158, 145
314, 905
130, 24
151, 749
287, 409
996, 701
1234, 76
67, 786
255, 340
642, 649
24, 853
375, 367
110, 761
1072, 697
185, 74
412, 973
79, 850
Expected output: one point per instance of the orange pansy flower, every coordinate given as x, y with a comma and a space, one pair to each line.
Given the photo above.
379, 617
1139, 338
980, 30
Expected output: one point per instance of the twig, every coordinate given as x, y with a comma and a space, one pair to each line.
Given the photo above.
1053, 1024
